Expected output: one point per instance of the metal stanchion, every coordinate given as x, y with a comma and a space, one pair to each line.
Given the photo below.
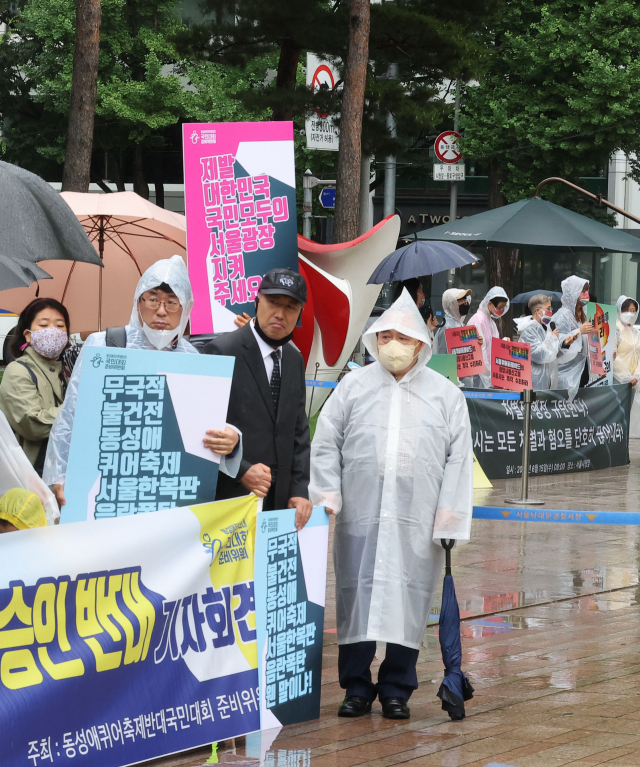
528, 396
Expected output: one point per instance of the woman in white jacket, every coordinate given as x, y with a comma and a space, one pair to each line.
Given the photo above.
626, 365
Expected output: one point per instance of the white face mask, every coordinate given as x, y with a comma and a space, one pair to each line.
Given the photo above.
629, 318
395, 356
160, 338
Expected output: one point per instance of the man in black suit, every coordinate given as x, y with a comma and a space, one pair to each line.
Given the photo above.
267, 402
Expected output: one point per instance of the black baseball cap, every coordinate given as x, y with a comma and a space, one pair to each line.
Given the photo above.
284, 282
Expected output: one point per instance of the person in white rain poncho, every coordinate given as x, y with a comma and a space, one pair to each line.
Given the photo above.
455, 304
392, 458
493, 306
571, 322
544, 342
162, 305
626, 365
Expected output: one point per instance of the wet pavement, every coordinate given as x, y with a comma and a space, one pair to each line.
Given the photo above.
551, 643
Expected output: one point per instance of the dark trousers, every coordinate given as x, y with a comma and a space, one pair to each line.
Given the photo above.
397, 676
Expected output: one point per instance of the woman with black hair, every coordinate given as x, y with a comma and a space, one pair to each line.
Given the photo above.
34, 384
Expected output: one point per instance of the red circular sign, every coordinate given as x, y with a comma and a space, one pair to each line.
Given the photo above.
322, 78
446, 147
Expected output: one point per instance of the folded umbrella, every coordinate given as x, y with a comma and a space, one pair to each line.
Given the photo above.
17, 273
455, 688
417, 259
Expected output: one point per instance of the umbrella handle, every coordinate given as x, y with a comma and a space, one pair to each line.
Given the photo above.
447, 546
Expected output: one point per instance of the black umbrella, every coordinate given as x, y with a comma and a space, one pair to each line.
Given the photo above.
534, 222
455, 688
417, 259
36, 224
523, 298
16, 273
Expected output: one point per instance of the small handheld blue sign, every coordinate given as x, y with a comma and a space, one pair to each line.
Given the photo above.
328, 197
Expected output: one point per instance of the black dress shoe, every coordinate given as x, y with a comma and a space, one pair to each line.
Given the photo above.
395, 708
354, 705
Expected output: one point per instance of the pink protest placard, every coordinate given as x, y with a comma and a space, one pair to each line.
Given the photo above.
464, 343
240, 204
510, 365
596, 363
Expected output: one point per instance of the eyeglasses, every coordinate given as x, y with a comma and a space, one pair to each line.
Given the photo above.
153, 303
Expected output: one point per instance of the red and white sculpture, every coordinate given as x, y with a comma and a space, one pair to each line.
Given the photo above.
339, 299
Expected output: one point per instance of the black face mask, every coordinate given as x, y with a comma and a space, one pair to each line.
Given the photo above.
265, 337
463, 309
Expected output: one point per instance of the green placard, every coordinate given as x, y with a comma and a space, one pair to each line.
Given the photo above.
446, 365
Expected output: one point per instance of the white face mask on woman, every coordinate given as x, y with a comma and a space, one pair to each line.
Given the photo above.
629, 318
395, 356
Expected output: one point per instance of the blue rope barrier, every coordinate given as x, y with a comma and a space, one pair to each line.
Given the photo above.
494, 395
321, 384
563, 516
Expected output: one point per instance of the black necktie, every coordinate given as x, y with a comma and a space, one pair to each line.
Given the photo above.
275, 378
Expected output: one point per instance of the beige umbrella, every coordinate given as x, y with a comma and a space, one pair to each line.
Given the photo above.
129, 233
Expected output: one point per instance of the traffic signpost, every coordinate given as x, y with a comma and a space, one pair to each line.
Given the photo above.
320, 128
327, 197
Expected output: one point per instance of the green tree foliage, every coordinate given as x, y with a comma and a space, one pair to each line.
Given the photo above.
145, 88
561, 92
430, 41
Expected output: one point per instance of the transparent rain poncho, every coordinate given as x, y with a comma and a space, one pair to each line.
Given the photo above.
395, 460
488, 329
452, 317
16, 471
627, 363
171, 271
571, 361
544, 353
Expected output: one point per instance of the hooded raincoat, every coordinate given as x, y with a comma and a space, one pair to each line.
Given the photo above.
488, 329
571, 361
452, 317
16, 471
544, 352
627, 363
394, 459
173, 272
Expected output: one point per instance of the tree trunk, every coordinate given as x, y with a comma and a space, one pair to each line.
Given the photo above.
349, 154
501, 262
82, 108
158, 178
140, 185
286, 78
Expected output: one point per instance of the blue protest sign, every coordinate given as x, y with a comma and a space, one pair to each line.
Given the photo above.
291, 574
137, 441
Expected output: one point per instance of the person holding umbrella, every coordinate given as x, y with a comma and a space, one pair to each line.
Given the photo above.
571, 322
455, 303
416, 291
392, 458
